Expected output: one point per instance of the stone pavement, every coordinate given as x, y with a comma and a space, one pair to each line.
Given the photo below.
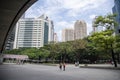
45, 72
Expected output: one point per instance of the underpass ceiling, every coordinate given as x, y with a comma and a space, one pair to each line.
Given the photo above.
10, 12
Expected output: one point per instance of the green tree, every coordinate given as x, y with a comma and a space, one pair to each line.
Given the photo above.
31, 52
43, 53
14, 51
64, 49
54, 50
79, 48
101, 42
109, 23
117, 47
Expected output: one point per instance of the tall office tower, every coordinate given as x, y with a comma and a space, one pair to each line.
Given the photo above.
80, 29
51, 31
67, 35
33, 32
116, 10
48, 29
55, 38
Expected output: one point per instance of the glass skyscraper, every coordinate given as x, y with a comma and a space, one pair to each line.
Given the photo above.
116, 10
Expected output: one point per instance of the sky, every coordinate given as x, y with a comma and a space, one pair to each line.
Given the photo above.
64, 13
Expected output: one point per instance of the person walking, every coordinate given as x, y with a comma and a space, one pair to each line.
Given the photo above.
64, 66
60, 66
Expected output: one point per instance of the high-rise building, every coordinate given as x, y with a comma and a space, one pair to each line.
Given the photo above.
51, 31
67, 35
80, 29
116, 10
34, 32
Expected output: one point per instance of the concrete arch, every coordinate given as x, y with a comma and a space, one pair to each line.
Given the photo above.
10, 12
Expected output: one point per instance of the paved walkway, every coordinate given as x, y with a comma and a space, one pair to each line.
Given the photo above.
44, 72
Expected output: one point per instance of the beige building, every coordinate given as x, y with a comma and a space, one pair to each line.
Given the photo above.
80, 29
67, 35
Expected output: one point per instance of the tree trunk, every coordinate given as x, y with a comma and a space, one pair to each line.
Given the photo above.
113, 56
118, 57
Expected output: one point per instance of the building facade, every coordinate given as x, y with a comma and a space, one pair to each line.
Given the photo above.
80, 29
116, 10
67, 35
33, 32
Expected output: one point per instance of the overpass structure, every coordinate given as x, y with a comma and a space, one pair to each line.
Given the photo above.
10, 12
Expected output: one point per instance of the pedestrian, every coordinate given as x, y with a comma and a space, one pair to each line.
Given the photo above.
60, 66
64, 66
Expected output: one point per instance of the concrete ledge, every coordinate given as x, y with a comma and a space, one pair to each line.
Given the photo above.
100, 66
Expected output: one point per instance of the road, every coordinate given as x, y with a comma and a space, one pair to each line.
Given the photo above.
43, 72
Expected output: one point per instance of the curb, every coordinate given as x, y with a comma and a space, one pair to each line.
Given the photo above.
118, 68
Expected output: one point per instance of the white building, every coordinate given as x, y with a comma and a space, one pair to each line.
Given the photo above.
67, 35
33, 32
98, 28
80, 29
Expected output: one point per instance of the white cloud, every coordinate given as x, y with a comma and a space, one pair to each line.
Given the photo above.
64, 24
65, 12
92, 16
77, 7
30, 14
74, 7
